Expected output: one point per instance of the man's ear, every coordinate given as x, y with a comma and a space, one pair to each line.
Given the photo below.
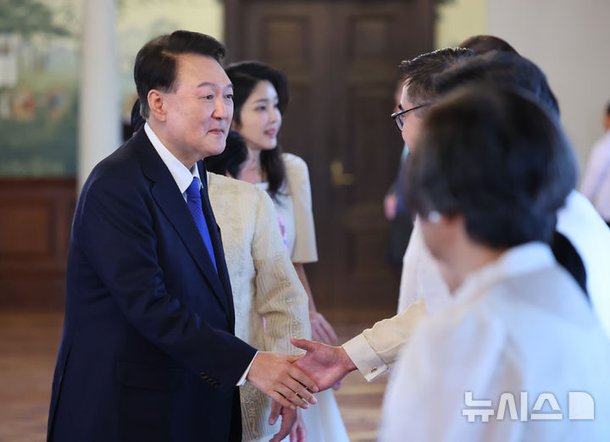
156, 104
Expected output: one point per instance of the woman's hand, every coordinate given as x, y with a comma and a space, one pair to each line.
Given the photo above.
321, 330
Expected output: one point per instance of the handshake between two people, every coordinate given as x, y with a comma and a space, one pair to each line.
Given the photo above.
290, 381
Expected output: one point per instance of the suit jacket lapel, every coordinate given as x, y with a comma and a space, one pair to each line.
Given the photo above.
171, 202
216, 236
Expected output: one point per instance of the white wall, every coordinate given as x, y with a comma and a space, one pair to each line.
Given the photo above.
570, 41
459, 19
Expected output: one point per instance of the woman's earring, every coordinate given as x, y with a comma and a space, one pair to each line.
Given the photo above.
433, 217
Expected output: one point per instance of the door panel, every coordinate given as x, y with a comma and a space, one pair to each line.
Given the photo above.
341, 59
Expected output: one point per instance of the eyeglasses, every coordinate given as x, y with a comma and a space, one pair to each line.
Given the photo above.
399, 117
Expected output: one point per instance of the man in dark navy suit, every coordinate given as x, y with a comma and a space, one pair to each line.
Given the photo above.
148, 351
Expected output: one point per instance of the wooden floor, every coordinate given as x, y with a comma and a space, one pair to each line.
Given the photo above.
28, 346
359, 401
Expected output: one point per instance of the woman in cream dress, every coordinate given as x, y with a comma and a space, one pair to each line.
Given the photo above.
270, 303
260, 96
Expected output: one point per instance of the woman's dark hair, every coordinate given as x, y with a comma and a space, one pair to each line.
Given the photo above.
137, 120
245, 76
495, 157
231, 160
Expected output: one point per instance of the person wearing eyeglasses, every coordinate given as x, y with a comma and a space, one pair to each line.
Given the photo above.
374, 351
584, 252
490, 172
420, 279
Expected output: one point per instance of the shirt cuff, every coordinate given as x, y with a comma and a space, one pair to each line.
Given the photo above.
242, 380
368, 363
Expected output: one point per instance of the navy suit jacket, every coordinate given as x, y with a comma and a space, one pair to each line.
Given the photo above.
148, 350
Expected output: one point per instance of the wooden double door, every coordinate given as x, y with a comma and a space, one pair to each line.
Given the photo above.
341, 59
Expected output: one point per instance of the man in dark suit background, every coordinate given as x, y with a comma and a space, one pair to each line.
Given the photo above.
148, 351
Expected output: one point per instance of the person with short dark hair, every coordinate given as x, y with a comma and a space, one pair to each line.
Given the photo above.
375, 350
503, 69
271, 305
581, 243
492, 158
489, 174
419, 277
418, 93
482, 44
148, 350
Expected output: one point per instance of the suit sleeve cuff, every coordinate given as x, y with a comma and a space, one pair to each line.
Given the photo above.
368, 363
242, 380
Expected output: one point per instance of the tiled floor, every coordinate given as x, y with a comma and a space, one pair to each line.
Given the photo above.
28, 345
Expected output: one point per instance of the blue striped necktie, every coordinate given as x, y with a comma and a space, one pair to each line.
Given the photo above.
193, 201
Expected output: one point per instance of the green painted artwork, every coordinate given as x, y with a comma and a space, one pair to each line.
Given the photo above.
38, 88
39, 72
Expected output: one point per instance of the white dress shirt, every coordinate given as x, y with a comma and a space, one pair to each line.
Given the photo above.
182, 175
578, 221
376, 349
421, 279
519, 326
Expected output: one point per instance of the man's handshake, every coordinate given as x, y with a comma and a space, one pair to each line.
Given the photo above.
325, 364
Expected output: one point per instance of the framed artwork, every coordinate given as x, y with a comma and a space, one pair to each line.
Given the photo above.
38, 87
39, 72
